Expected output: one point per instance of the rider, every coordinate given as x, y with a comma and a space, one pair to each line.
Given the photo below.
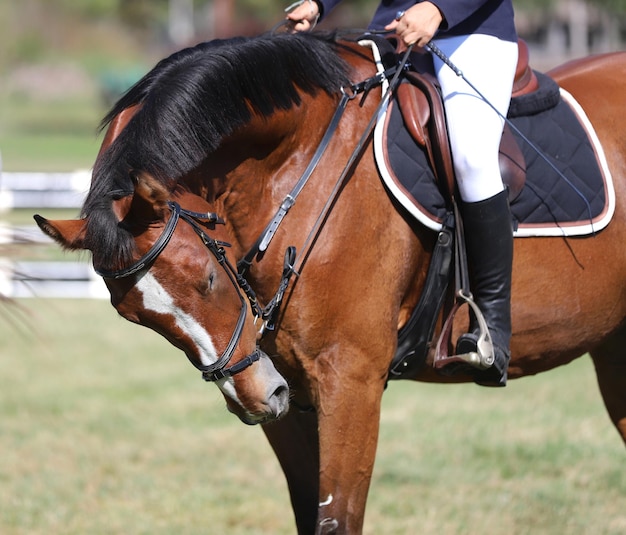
479, 37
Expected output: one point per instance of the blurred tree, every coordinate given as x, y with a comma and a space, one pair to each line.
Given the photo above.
91, 9
617, 7
180, 21
142, 14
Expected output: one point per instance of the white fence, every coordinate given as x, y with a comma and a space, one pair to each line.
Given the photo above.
43, 279
43, 190
73, 280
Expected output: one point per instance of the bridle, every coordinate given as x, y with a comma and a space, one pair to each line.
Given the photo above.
217, 370
269, 313
293, 262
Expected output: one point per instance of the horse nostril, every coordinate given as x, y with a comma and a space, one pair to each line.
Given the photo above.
279, 400
281, 393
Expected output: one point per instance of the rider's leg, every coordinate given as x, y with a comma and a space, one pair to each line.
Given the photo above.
475, 131
489, 243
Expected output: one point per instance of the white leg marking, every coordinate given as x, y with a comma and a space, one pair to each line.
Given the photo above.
327, 501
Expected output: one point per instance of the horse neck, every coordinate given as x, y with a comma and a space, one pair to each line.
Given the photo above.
249, 176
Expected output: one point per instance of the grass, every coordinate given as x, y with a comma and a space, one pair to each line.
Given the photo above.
24, 216
49, 135
103, 437
106, 429
38, 153
538, 457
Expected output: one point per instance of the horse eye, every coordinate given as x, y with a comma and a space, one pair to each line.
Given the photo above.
205, 286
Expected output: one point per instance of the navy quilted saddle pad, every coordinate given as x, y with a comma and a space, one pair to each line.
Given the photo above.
577, 200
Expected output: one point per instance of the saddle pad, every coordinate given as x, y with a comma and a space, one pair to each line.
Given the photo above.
549, 205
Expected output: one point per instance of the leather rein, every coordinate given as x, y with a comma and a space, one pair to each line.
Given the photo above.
390, 76
268, 314
218, 370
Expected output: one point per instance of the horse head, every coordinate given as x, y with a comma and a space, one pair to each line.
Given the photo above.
180, 282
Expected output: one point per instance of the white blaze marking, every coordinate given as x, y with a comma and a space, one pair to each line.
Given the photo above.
156, 299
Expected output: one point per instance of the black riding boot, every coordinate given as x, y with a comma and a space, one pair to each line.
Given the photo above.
489, 242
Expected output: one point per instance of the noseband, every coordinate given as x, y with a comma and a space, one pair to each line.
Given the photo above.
217, 370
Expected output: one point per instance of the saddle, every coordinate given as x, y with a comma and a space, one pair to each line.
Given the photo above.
421, 105
413, 155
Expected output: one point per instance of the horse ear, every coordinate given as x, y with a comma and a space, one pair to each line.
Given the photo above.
151, 191
69, 233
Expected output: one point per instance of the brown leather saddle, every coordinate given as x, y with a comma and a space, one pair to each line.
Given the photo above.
420, 103
562, 147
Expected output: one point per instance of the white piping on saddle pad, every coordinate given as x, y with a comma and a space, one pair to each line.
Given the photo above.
601, 222
379, 152
563, 229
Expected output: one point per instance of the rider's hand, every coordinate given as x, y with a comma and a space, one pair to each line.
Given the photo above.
304, 17
418, 25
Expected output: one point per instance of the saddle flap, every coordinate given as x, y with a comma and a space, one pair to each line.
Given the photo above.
434, 133
415, 111
512, 163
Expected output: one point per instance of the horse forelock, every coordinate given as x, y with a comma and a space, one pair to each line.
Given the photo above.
190, 102
111, 244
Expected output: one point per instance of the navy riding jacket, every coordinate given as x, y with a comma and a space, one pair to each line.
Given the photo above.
461, 17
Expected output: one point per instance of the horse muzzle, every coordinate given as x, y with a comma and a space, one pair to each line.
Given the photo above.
259, 396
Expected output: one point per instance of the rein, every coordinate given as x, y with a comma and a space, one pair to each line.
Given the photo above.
392, 76
217, 370
266, 236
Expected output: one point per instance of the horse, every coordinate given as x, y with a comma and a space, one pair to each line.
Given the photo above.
228, 127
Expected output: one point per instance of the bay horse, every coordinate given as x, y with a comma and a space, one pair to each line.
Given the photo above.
229, 127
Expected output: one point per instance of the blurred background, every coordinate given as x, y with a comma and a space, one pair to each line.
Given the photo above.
63, 62
105, 426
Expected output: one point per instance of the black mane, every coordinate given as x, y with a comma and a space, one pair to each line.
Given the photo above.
190, 102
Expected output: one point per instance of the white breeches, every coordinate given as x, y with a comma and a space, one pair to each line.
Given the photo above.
475, 129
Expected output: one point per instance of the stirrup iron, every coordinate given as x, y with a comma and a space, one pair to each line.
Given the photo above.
484, 356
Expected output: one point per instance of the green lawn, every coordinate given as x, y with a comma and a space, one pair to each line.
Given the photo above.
53, 153
57, 135
106, 429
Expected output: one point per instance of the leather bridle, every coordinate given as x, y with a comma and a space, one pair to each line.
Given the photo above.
218, 370
268, 314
